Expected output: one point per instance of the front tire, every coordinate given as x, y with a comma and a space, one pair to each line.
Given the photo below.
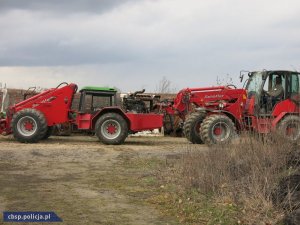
289, 128
192, 126
217, 129
29, 126
111, 129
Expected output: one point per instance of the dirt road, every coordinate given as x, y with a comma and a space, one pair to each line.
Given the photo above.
84, 181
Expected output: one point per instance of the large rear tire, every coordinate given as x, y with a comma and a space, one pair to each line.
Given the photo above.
29, 126
192, 126
111, 129
217, 129
289, 128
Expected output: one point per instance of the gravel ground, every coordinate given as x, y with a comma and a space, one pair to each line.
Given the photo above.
82, 180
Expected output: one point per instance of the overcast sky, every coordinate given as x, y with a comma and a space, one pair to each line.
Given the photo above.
132, 44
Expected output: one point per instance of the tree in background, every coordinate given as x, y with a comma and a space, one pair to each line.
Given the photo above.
165, 86
225, 80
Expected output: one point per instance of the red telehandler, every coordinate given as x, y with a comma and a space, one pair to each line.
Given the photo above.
34, 118
214, 115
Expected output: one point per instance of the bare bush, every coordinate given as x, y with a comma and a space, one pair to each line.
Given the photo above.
165, 87
246, 173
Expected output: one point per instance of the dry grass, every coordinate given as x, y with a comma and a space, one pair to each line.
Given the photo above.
245, 174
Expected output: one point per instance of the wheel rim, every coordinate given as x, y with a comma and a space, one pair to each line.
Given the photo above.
292, 131
221, 131
27, 126
111, 129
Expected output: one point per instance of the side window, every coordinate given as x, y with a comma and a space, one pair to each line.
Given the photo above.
271, 84
294, 89
282, 81
283, 85
102, 101
88, 103
267, 85
294, 84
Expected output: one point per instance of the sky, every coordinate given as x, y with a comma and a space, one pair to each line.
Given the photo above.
133, 44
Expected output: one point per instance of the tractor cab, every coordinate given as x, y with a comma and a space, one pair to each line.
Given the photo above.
93, 99
270, 91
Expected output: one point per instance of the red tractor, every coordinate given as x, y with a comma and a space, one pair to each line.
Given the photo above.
215, 115
218, 107
34, 118
273, 103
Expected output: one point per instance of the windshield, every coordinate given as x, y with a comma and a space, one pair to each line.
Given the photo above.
255, 82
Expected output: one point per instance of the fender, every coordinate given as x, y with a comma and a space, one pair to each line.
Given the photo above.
109, 110
286, 107
136, 121
280, 117
235, 120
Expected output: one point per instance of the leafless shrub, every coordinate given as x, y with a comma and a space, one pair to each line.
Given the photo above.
248, 173
165, 87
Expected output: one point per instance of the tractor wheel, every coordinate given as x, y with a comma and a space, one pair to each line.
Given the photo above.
48, 133
192, 125
289, 127
168, 124
29, 126
111, 129
217, 129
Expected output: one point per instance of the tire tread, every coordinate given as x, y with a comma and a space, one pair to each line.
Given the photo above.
189, 125
41, 121
208, 121
124, 129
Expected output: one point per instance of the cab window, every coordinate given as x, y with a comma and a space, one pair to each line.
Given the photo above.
294, 86
270, 83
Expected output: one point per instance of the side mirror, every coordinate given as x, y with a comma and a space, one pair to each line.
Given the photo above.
241, 77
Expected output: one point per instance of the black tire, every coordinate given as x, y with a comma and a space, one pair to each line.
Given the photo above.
192, 126
118, 126
29, 126
48, 133
217, 123
168, 124
289, 128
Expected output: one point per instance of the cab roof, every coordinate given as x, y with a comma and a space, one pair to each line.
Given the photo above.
96, 89
99, 91
277, 71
